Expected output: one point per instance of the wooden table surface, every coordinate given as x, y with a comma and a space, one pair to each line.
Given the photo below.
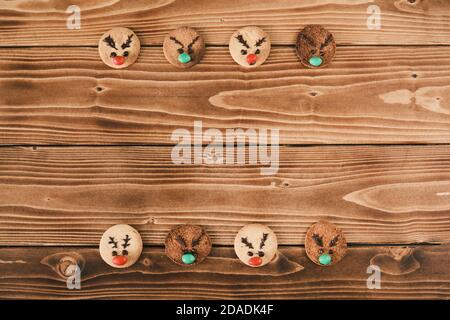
365, 143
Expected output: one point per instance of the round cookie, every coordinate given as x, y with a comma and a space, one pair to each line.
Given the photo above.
183, 47
315, 46
119, 48
187, 245
325, 243
121, 246
256, 245
250, 46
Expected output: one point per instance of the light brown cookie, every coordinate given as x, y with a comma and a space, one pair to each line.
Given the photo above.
250, 46
256, 245
184, 47
325, 243
187, 245
315, 46
119, 48
121, 246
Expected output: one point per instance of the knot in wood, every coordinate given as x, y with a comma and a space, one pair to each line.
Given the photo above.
66, 266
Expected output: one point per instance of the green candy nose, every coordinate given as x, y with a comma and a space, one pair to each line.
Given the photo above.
325, 259
316, 61
188, 258
184, 58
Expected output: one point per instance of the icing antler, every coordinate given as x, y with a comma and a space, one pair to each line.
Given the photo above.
128, 42
241, 39
110, 42
126, 242
318, 239
192, 43
334, 241
263, 240
308, 40
176, 41
327, 42
260, 42
113, 241
245, 241
195, 242
181, 241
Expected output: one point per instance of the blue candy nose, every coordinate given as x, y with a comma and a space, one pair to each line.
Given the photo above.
325, 259
316, 61
184, 58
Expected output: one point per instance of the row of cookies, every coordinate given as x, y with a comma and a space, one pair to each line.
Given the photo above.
255, 245
249, 47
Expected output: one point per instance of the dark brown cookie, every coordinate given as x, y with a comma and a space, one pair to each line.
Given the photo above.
187, 245
315, 46
183, 47
325, 243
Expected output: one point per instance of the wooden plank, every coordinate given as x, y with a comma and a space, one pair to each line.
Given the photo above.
43, 23
368, 95
407, 273
70, 195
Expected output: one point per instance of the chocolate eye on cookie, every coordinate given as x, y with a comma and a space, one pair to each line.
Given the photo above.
256, 245
121, 246
184, 47
187, 245
325, 243
315, 46
119, 48
250, 46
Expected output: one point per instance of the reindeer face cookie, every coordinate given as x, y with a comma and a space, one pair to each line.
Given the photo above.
325, 243
119, 48
121, 246
315, 46
250, 46
183, 47
187, 245
256, 245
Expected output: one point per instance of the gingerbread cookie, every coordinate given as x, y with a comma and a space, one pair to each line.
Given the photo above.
325, 243
121, 246
250, 46
119, 48
315, 46
184, 47
187, 245
256, 245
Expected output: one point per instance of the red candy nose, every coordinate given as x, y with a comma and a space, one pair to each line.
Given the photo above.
119, 260
251, 59
119, 60
255, 261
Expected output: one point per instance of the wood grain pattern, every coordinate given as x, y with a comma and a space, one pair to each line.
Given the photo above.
368, 95
408, 273
112, 161
69, 196
43, 23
